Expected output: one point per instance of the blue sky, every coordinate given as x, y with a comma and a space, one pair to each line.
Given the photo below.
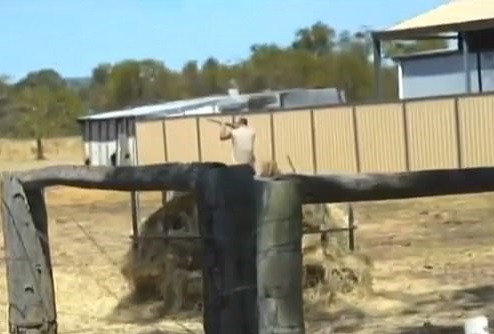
72, 36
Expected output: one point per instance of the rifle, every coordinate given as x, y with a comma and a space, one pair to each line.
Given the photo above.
219, 123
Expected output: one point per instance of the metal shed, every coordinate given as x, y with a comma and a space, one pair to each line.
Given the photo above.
143, 127
100, 132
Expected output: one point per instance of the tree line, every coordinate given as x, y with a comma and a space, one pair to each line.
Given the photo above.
44, 104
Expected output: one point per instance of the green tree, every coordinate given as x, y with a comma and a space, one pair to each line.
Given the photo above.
318, 38
214, 77
319, 56
5, 89
137, 82
45, 113
48, 78
124, 85
191, 78
101, 73
42, 104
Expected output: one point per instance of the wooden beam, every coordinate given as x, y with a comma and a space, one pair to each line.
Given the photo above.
279, 257
380, 186
315, 188
29, 272
157, 177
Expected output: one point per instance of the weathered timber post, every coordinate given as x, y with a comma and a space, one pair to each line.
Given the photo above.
125, 159
226, 207
29, 274
351, 227
279, 257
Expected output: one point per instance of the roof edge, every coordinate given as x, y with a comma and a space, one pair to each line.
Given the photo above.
442, 28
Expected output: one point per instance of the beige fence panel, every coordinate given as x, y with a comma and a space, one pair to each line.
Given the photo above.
432, 138
150, 142
381, 140
292, 137
212, 149
261, 123
181, 140
476, 116
334, 140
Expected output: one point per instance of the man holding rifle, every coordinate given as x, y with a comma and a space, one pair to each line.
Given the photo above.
243, 139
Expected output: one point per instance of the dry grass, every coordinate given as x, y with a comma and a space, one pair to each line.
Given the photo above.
431, 262
65, 149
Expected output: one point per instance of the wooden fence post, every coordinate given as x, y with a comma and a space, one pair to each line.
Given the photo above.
226, 207
29, 274
125, 159
279, 257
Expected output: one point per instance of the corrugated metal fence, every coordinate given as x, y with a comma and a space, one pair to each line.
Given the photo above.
447, 132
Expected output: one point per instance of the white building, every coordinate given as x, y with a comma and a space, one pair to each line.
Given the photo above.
100, 132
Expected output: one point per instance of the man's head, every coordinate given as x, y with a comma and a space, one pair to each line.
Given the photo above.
242, 121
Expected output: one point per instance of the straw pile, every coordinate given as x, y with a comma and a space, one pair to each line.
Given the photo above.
330, 269
168, 271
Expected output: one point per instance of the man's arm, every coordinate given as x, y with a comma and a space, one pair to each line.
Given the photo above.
225, 133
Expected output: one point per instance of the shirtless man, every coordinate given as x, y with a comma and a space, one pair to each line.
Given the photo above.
243, 139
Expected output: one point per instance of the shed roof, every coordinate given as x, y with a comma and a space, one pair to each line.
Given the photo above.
455, 15
298, 97
156, 110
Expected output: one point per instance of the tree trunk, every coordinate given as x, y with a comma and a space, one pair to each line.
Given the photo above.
40, 154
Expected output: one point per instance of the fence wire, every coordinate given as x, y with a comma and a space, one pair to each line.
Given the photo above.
100, 283
111, 260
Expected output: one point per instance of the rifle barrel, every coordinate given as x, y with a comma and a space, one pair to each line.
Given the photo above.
219, 122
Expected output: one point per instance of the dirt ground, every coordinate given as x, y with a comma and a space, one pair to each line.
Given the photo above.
431, 260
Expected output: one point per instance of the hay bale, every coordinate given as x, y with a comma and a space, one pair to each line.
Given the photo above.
330, 269
170, 269
163, 268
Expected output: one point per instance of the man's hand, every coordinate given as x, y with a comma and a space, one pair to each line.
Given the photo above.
225, 133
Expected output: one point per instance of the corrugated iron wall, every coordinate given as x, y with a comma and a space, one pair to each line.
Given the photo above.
334, 140
150, 142
292, 133
476, 119
412, 135
432, 134
211, 148
380, 137
182, 140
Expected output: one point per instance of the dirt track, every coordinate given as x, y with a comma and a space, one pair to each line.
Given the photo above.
432, 263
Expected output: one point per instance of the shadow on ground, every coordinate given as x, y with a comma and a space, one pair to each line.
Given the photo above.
135, 310
449, 309
432, 329
431, 313
348, 320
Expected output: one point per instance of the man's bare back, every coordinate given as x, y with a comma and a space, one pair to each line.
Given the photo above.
243, 140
